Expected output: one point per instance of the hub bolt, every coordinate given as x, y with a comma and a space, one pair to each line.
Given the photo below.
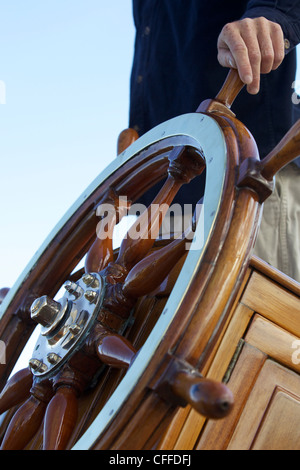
37, 366
44, 310
73, 289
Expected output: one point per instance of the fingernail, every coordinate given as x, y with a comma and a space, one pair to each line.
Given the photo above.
248, 79
253, 90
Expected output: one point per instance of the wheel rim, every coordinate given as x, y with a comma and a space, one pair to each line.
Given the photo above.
200, 131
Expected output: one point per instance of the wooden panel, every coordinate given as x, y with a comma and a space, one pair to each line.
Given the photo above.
272, 377
273, 340
274, 302
274, 274
218, 433
189, 434
233, 334
280, 428
174, 430
190, 431
184, 430
234, 329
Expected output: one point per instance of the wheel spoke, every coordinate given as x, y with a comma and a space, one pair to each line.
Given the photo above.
150, 272
16, 390
210, 398
115, 351
111, 208
185, 164
28, 418
126, 138
24, 424
60, 418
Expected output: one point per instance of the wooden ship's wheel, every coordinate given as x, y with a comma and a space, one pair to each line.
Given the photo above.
125, 344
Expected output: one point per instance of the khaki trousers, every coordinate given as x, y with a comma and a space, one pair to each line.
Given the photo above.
278, 240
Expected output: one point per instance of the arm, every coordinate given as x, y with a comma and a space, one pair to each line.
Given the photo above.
255, 44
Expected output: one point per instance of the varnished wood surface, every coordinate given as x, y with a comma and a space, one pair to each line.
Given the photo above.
259, 336
271, 378
273, 302
16, 390
274, 341
24, 424
60, 419
231, 88
216, 436
125, 139
272, 273
279, 429
285, 151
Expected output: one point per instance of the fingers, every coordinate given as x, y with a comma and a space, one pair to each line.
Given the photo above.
232, 51
253, 46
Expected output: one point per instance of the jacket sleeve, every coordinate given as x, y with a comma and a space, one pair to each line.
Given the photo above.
284, 12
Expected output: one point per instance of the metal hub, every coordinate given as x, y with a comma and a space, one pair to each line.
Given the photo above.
64, 323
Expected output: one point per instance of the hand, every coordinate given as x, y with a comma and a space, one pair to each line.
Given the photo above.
253, 46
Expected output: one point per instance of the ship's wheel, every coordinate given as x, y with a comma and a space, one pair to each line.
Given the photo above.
125, 342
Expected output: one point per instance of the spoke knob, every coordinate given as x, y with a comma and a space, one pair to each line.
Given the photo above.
44, 310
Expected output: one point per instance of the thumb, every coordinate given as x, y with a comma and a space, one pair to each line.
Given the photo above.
226, 59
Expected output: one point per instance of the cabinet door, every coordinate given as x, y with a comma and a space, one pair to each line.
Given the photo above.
271, 418
267, 411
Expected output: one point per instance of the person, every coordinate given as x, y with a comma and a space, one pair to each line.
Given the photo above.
183, 49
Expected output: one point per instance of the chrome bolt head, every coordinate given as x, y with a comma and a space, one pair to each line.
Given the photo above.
53, 358
90, 280
44, 310
87, 278
74, 329
91, 296
37, 366
73, 289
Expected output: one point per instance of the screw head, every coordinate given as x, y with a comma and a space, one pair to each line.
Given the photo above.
91, 296
90, 280
87, 278
53, 358
74, 329
73, 289
37, 366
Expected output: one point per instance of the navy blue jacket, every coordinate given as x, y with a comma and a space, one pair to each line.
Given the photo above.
175, 65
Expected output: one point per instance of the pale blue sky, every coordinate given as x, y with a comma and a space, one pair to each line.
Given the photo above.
66, 67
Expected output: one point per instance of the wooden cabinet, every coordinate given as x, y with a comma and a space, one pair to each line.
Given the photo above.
258, 356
